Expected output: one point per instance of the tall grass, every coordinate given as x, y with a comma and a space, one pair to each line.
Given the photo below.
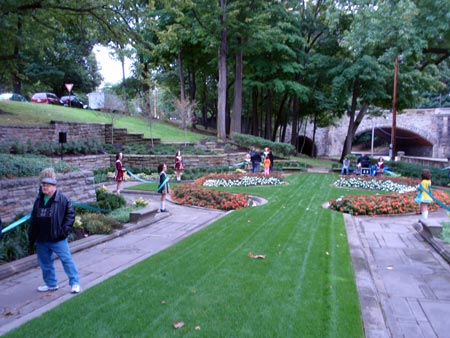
303, 288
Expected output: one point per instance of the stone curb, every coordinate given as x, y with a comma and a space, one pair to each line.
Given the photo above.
440, 246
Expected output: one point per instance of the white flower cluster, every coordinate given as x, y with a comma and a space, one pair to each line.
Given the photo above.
244, 181
381, 185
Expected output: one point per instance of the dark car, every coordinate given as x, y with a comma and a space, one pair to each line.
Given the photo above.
49, 98
73, 101
12, 97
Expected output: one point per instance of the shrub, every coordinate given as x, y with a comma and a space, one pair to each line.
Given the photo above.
446, 232
13, 166
99, 223
14, 244
16, 146
109, 201
278, 148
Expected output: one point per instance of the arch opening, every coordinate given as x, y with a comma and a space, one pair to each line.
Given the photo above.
407, 141
305, 146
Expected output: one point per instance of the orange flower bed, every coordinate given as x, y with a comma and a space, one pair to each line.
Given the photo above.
385, 204
194, 195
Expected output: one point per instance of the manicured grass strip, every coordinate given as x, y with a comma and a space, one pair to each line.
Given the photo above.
304, 288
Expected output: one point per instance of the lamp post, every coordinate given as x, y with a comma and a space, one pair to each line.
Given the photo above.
372, 139
398, 59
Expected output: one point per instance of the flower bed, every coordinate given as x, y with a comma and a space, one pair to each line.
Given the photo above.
197, 195
399, 202
192, 194
396, 184
238, 180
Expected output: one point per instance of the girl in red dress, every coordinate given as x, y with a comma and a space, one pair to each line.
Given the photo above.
178, 165
118, 175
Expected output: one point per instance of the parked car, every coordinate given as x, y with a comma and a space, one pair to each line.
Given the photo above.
12, 97
73, 101
49, 98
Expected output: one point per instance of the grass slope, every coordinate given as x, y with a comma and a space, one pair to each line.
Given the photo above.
41, 114
304, 288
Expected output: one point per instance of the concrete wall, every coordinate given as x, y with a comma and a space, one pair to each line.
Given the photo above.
18, 195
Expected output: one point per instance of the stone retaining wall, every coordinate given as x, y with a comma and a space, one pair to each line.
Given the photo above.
18, 195
103, 133
189, 161
92, 162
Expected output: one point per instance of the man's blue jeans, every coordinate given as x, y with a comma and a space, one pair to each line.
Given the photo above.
45, 254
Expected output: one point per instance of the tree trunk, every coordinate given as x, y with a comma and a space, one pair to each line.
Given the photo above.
353, 122
16, 80
255, 119
280, 117
268, 126
314, 136
182, 90
295, 113
222, 85
236, 115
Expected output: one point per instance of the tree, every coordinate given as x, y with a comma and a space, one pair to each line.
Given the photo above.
377, 34
45, 38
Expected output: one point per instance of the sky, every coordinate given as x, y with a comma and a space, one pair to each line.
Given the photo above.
110, 69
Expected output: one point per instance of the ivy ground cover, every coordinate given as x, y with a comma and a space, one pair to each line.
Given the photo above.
304, 287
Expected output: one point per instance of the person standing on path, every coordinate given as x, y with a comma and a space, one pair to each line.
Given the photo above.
255, 157
178, 165
268, 153
118, 175
424, 195
267, 163
163, 187
52, 219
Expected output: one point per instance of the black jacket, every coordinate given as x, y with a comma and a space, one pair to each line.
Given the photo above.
62, 218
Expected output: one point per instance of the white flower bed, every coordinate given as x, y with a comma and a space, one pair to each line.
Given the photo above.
385, 185
244, 181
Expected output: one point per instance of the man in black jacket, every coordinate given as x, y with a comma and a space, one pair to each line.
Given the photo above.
52, 219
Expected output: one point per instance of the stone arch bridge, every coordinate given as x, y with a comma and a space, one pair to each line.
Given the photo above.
419, 132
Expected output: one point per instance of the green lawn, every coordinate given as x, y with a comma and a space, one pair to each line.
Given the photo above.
304, 288
41, 114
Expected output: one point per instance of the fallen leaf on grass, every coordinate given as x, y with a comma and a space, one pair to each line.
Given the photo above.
197, 328
178, 324
251, 255
163, 302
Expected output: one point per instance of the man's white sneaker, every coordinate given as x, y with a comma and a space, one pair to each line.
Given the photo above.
76, 288
45, 288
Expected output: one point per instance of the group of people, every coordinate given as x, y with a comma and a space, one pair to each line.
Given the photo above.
53, 215
254, 158
163, 187
362, 162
